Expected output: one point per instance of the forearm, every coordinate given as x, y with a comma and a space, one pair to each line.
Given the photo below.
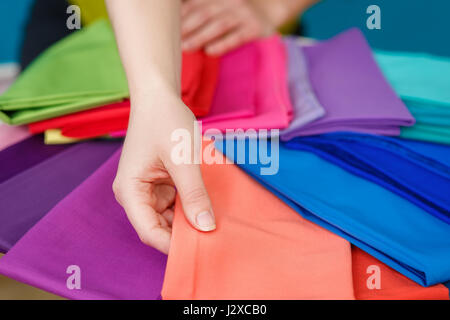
148, 37
278, 12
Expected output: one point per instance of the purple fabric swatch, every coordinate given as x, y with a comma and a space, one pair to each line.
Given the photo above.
26, 154
350, 86
27, 196
90, 230
306, 106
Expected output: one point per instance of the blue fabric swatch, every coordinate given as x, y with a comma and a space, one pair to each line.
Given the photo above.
419, 172
390, 228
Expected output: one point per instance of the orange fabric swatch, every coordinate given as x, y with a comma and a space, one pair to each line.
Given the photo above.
393, 285
261, 249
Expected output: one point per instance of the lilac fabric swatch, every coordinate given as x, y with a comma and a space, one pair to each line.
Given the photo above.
306, 106
26, 154
352, 89
27, 196
90, 230
10, 135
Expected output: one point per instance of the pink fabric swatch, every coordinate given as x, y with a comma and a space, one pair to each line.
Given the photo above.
271, 108
11, 135
236, 88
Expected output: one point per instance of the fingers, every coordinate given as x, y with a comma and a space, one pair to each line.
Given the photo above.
193, 195
164, 197
168, 216
151, 227
220, 26
200, 16
209, 32
228, 42
189, 5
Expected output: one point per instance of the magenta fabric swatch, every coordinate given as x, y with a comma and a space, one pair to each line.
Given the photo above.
273, 105
352, 89
10, 135
236, 88
252, 92
118, 134
90, 230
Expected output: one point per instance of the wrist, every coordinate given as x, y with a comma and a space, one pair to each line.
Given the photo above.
153, 89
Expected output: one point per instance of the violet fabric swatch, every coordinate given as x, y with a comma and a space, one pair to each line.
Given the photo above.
90, 230
25, 154
352, 89
27, 196
307, 108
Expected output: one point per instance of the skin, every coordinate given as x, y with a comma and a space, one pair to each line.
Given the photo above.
220, 26
149, 35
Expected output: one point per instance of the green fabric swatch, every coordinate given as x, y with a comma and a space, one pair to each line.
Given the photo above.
431, 133
417, 76
79, 72
423, 83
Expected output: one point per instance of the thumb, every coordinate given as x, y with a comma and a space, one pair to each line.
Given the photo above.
194, 197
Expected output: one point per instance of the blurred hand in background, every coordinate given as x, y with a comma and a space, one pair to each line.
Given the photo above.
219, 26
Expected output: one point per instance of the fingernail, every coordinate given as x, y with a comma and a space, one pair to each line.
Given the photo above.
205, 221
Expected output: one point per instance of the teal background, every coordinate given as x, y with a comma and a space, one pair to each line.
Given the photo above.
406, 25
13, 16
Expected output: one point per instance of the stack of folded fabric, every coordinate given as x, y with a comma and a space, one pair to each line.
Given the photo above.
251, 93
423, 83
392, 229
78, 223
251, 226
77, 88
417, 171
76, 73
346, 82
84, 71
35, 177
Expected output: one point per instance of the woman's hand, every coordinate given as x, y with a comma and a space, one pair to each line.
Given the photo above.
146, 178
222, 25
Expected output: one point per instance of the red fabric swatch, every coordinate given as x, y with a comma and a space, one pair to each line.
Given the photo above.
392, 284
102, 114
199, 78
